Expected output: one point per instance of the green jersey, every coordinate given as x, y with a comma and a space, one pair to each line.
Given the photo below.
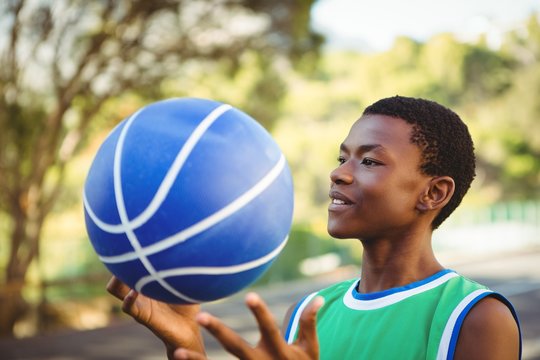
420, 320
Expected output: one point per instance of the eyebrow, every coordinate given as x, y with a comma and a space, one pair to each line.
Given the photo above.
363, 148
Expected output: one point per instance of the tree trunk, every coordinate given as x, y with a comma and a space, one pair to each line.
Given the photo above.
12, 306
27, 219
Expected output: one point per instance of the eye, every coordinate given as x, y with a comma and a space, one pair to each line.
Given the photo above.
369, 162
341, 160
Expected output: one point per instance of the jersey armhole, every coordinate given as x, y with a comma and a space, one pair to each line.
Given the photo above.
461, 317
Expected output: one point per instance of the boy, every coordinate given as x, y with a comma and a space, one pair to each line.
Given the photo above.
403, 168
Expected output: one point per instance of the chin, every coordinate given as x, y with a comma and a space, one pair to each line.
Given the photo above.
338, 233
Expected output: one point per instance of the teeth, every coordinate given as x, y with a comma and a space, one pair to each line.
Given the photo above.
338, 202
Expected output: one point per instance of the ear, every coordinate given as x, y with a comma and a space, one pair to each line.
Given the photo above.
437, 194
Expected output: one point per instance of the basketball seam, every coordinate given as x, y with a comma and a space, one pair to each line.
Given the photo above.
212, 270
207, 222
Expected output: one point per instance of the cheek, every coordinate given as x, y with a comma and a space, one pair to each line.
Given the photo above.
375, 189
390, 194
403, 193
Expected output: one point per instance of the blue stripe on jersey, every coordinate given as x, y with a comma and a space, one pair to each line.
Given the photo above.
380, 294
459, 321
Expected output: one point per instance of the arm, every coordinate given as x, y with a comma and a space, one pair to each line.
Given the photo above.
489, 331
175, 325
271, 345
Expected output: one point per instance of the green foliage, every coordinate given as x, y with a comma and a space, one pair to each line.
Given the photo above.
254, 74
509, 141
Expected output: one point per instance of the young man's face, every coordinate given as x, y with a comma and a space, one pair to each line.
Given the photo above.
375, 189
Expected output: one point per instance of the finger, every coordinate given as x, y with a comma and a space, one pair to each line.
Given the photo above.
129, 303
117, 288
267, 324
231, 341
307, 333
185, 354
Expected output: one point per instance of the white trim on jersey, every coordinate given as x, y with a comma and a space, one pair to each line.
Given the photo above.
461, 309
362, 304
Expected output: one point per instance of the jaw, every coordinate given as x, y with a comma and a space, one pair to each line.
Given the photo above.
341, 219
351, 222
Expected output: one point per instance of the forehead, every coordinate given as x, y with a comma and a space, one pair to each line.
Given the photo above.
393, 134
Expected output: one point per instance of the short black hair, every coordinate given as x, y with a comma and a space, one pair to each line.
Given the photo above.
444, 139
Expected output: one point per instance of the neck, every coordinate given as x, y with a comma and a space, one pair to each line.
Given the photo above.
393, 263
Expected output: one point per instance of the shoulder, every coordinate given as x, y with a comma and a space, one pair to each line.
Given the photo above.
489, 331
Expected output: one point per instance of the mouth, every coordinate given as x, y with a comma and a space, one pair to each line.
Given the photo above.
338, 200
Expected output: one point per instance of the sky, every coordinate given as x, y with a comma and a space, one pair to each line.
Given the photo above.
373, 25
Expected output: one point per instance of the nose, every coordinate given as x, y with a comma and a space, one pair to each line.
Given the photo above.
341, 175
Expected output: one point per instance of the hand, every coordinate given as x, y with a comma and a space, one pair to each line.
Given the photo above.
175, 325
272, 345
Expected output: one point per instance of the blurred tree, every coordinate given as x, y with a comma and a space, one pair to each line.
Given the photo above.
509, 128
62, 61
523, 44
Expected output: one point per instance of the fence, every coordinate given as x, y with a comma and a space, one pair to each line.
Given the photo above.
501, 227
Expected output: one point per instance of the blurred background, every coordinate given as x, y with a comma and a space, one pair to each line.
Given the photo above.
70, 70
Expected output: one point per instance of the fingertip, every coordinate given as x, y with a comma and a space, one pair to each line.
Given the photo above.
116, 288
311, 311
203, 318
131, 296
111, 284
252, 299
318, 302
129, 301
181, 354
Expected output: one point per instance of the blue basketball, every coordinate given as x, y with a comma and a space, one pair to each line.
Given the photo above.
188, 200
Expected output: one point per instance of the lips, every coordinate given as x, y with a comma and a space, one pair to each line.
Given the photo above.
339, 199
